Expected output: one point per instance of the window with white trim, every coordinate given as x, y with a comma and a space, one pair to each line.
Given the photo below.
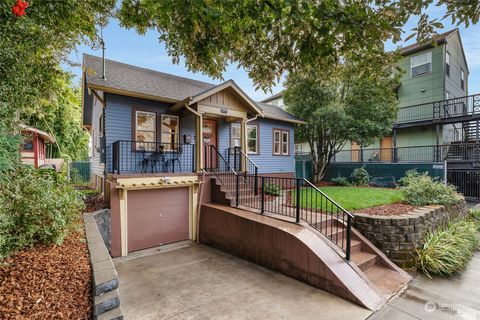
169, 130
281, 142
252, 137
145, 129
462, 79
447, 63
421, 64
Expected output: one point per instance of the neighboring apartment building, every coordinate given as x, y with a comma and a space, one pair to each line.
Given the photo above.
431, 73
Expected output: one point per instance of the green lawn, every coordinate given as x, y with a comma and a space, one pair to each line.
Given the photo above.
351, 198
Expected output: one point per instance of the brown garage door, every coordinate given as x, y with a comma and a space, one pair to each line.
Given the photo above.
157, 217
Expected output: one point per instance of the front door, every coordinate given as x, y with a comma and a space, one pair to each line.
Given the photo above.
209, 136
386, 145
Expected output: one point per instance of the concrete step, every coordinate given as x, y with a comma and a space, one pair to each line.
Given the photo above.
114, 314
105, 302
364, 260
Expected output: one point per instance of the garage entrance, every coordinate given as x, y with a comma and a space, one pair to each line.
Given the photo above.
157, 217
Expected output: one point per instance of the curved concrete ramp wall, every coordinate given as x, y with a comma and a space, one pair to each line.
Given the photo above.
286, 247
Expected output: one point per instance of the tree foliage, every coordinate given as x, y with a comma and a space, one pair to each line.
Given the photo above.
352, 104
33, 46
270, 37
61, 116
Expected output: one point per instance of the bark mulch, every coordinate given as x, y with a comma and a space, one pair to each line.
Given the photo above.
47, 282
392, 209
94, 202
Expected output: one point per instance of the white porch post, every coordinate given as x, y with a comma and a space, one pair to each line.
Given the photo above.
199, 143
243, 143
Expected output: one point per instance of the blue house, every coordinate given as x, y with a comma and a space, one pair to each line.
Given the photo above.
178, 159
148, 125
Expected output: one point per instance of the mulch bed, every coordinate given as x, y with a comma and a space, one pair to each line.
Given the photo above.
47, 282
392, 209
94, 203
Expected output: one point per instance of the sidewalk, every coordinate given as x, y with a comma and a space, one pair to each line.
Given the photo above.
438, 298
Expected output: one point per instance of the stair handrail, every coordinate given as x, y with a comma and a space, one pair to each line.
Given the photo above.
330, 199
225, 161
246, 156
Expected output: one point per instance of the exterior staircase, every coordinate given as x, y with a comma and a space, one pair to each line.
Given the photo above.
369, 263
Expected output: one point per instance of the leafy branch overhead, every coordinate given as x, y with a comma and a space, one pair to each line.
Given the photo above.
269, 38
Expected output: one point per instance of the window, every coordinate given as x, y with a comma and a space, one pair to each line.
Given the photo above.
447, 64
421, 64
169, 131
281, 142
462, 79
27, 144
252, 137
145, 129
100, 125
252, 141
447, 95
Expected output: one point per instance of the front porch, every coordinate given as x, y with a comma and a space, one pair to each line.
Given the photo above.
189, 136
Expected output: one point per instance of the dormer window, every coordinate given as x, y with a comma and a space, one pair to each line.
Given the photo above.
421, 64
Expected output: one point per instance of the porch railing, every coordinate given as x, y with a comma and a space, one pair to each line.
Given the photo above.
438, 110
132, 157
300, 200
421, 154
237, 158
296, 198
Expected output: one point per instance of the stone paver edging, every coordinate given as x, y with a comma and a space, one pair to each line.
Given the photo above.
399, 236
106, 298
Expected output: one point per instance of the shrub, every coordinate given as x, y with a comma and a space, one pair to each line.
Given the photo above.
474, 216
342, 181
272, 189
448, 251
360, 177
420, 189
36, 206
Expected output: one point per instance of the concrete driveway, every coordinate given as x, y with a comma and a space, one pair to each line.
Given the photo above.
198, 282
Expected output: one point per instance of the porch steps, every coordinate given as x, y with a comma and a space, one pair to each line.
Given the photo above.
304, 253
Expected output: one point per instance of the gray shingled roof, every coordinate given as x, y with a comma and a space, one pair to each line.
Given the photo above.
416, 47
275, 96
125, 77
275, 112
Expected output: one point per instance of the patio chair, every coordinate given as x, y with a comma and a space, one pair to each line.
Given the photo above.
176, 155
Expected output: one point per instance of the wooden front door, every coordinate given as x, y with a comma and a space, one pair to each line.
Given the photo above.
209, 136
386, 145
355, 150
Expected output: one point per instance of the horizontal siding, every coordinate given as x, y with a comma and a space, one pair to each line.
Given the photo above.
265, 160
118, 118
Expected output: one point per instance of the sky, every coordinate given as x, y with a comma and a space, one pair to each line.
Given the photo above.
147, 51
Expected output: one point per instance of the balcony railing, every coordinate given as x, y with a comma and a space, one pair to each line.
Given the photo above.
438, 110
133, 157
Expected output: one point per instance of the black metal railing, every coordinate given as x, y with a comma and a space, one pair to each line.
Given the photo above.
467, 182
298, 199
438, 110
224, 172
422, 154
132, 157
242, 164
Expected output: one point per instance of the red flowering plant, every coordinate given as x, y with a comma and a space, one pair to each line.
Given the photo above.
19, 8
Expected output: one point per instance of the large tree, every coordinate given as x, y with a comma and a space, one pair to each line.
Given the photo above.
270, 37
61, 117
35, 38
352, 104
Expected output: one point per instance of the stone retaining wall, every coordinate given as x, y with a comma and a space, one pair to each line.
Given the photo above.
103, 219
106, 298
399, 236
